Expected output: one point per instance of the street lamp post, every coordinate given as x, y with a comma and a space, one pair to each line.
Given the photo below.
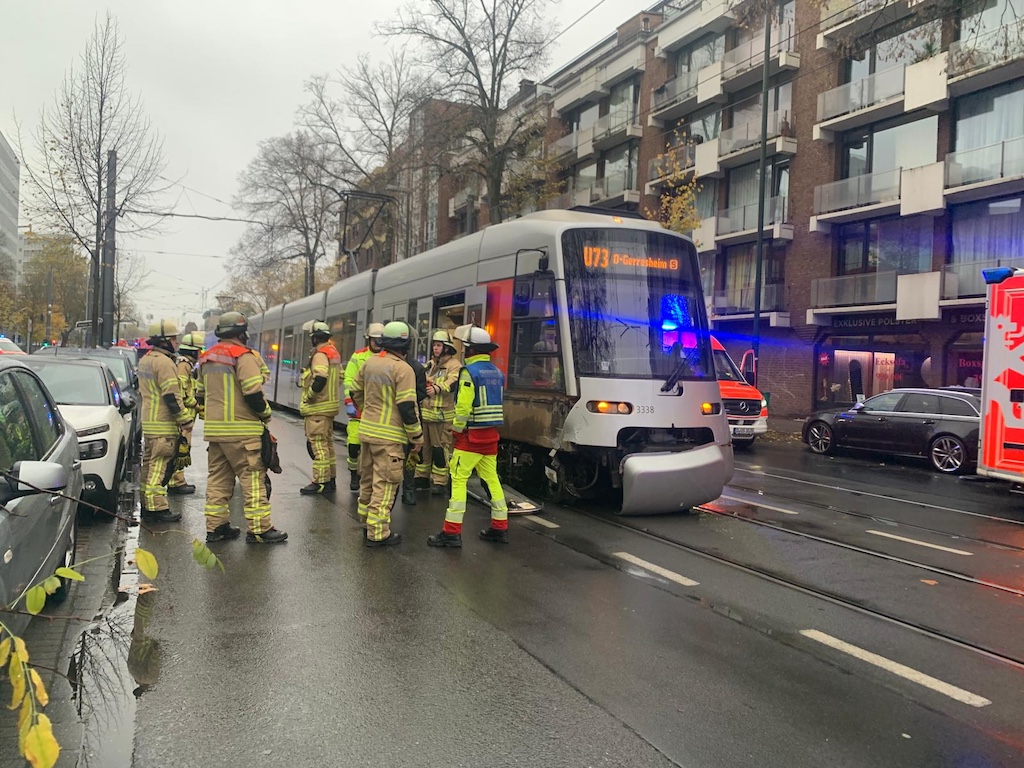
761, 189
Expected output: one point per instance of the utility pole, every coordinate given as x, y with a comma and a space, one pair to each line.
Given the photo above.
761, 187
109, 254
49, 305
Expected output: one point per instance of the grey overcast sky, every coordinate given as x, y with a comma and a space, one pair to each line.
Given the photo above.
216, 76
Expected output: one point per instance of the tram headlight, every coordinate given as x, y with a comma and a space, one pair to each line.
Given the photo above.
605, 406
710, 409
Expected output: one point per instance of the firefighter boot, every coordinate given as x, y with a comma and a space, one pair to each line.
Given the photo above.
443, 539
392, 539
314, 489
353, 483
271, 536
495, 535
185, 489
159, 516
223, 532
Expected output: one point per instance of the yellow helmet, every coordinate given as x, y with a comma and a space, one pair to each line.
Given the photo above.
164, 329
191, 342
441, 336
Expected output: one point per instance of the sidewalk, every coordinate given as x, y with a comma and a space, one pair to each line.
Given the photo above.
785, 426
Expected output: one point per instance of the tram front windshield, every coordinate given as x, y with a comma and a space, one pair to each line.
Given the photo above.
636, 309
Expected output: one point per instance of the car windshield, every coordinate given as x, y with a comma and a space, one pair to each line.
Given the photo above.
725, 368
116, 364
6, 345
635, 305
73, 384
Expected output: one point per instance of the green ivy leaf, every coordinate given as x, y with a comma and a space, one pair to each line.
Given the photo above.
35, 600
68, 573
147, 563
51, 585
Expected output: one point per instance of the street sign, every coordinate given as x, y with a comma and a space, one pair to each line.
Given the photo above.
83, 324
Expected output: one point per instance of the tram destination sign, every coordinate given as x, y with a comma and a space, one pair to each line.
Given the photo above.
605, 259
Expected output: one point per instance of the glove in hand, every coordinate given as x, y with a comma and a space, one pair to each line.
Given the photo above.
350, 409
183, 457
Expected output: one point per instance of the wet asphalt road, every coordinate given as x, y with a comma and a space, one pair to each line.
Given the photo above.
775, 630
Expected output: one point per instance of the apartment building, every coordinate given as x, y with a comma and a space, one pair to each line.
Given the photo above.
9, 195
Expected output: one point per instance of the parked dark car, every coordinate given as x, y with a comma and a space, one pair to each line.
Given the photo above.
38, 529
938, 424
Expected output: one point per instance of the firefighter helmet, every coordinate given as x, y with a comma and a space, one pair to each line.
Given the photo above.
396, 336
231, 325
443, 337
476, 337
374, 331
191, 342
319, 328
163, 329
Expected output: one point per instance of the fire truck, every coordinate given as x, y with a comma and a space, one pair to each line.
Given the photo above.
1001, 453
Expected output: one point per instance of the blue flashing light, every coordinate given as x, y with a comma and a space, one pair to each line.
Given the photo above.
996, 275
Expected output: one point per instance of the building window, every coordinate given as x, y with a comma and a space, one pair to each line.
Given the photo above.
992, 230
740, 263
584, 117
890, 147
704, 126
989, 117
743, 183
980, 20
907, 47
624, 100
696, 56
901, 245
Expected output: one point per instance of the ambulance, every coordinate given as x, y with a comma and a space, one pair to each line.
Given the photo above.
1001, 453
745, 406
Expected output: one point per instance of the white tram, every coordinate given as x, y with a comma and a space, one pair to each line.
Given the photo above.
603, 338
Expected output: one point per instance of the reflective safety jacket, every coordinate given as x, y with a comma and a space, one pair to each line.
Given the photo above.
443, 375
359, 358
382, 385
158, 376
228, 371
185, 368
479, 403
324, 361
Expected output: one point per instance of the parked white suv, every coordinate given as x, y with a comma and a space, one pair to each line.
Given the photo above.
89, 399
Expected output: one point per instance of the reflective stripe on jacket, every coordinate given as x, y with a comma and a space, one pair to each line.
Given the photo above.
384, 382
228, 371
158, 376
481, 394
355, 364
187, 384
324, 361
444, 375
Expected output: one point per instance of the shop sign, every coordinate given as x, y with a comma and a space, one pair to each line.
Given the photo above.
974, 317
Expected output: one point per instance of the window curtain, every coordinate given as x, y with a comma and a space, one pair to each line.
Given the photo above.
988, 231
990, 117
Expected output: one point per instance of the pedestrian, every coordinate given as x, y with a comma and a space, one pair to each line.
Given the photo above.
384, 391
478, 414
438, 411
355, 364
164, 420
231, 377
189, 348
321, 382
414, 457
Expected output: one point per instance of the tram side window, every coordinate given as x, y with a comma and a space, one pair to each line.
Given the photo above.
289, 352
535, 358
343, 334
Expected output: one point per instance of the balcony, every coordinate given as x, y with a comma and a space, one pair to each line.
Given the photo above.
854, 290
462, 199
850, 19
742, 66
864, 101
570, 199
687, 20
675, 97
983, 60
964, 281
740, 301
741, 144
615, 128
616, 189
739, 224
872, 194
681, 158
996, 169
559, 150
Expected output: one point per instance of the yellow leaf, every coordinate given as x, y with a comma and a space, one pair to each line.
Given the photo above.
5, 650
17, 676
35, 599
41, 748
24, 718
147, 563
69, 573
37, 684
20, 650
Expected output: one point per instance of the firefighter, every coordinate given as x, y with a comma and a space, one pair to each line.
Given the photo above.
478, 414
438, 411
321, 383
384, 391
189, 347
164, 419
359, 358
231, 377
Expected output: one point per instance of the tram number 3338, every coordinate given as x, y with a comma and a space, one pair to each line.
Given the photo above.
645, 409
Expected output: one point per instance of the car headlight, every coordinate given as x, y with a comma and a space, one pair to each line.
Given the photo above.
93, 430
764, 403
92, 449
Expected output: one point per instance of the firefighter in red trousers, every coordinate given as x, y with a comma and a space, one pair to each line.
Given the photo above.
478, 414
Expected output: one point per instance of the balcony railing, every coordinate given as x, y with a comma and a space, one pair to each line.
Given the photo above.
854, 290
750, 54
960, 281
678, 89
563, 146
612, 123
861, 94
746, 135
738, 301
685, 155
743, 217
986, 50
564, 200
990, 163
614, 185
868, 189
835, 12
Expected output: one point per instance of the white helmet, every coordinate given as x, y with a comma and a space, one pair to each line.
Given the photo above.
474, 336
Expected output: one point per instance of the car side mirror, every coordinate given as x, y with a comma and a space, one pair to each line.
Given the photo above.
750, 377
860, 407
127, 403
35, 477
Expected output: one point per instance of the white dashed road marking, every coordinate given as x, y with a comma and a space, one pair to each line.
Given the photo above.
750, 503
959, 694
663, 572
541, 521
920, 543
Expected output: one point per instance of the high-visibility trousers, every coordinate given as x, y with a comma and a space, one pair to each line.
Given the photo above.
157, 450
437, 448
237, 459
178, 478
320, 434
462, 465
352, 441
380, 477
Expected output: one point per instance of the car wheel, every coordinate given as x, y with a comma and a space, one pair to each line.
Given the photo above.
948, 455
69, 559
744, 445
819, 438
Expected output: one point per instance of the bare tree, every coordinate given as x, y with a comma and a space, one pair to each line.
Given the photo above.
480, 50
130, 276
94, 112
287, 186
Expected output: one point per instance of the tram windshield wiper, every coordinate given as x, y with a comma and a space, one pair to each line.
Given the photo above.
681, 367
